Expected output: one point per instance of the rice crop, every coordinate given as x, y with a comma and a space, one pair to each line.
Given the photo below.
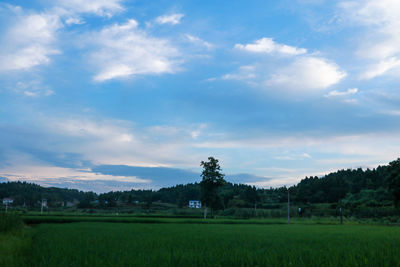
14, 240
169, 244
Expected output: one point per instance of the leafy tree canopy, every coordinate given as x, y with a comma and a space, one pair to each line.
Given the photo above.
212, 179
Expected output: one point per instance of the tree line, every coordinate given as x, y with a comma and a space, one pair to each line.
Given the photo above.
372, 187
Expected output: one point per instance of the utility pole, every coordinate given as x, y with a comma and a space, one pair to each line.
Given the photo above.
288, 207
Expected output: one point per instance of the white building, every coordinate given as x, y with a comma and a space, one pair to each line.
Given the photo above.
7, 201
195, 204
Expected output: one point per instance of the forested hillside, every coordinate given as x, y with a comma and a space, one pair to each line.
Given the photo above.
352, 187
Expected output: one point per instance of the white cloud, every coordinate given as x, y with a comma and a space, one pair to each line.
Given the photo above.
31, 39
300, 72
199, 41
74, 20
371, 12
118, 142
307, 73
381, 41
172, 19
268, 46
116, 133
334, 93
244, 73
29, 42
123, 50
391, 112
98, 7
33, 88
294, 156
383, 146
35, 172
351, 101
329, 153
380, 68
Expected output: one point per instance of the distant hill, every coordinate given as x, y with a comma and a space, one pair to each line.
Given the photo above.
371, 187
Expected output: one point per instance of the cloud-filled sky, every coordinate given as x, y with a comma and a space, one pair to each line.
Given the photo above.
112, 95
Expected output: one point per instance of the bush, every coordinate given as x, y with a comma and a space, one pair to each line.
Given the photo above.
9, 222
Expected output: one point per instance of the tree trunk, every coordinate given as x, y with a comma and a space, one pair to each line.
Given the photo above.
205, 212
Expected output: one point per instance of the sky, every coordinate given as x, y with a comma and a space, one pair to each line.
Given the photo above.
116, 94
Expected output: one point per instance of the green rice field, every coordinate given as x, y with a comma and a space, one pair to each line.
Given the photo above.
193, 244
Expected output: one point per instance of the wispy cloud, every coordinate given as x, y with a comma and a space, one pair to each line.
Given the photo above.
99, 7
123, 50
380, 68
30, 41
33, 88
172, 19
350, 91
243, 73
74, 20
49, 172
107, 141
294, 156
380, 41
198, 41
268, 46
73, 178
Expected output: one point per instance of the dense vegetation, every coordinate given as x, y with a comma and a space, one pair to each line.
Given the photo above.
371, 192
153, 228
15, 240
115, 244
30, 195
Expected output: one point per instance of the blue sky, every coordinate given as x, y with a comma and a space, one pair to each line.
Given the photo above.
112, 95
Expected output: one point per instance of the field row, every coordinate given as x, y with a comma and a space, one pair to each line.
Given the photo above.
39, 219
119, 244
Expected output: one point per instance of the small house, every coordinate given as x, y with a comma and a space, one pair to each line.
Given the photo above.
196, 204
69, 204
7, 201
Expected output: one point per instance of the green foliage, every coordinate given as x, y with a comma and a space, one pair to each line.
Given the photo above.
15, 248
335, 186
105, 244
14, 240
10, 222
393, 180
360, 191
30, 195
212, 180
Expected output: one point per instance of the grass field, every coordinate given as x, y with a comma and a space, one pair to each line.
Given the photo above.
14, 248
115, 240
121, 244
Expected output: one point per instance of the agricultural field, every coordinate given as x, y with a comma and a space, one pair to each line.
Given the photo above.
179, 242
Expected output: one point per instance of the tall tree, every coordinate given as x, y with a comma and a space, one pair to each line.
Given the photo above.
393, 180
212, 179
